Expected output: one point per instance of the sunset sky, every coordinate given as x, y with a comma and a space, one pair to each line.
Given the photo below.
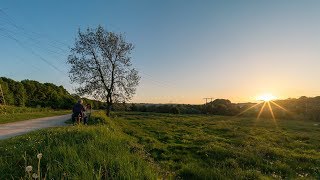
185, 50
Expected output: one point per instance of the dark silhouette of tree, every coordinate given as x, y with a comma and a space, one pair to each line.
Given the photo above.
101, 65
175, 110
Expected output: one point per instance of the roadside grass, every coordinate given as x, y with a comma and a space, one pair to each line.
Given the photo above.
98, 151
219, 147
13, 114
153, 145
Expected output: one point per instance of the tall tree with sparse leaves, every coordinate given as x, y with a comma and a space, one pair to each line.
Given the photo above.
101, 64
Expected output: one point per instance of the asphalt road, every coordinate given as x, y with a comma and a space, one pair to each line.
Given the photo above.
22, 127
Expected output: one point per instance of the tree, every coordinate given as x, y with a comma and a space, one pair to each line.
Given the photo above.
175, 110
101, 65
13, 91
19, 94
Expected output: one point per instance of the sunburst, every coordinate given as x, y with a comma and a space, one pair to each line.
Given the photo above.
268, 102
266, 97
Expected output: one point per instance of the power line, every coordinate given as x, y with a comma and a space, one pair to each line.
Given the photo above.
35, 42
19, 30
19, 27
33, 52
147, 76
11, 22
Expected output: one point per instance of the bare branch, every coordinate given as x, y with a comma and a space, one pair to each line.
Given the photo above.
101, 65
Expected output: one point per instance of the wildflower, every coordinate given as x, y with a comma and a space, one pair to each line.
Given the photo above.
34, 175
29, 168
39, 156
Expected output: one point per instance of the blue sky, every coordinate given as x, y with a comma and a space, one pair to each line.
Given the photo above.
185, 50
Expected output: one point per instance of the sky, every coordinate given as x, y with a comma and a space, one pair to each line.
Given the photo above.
185, 50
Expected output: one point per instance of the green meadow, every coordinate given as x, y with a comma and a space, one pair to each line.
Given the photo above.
221, 147
154, 145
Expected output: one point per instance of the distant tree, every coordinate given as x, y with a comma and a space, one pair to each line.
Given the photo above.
143, 108
101, 65
175, 110
8, 94
20, 94
220, 107
133, 107
13, 91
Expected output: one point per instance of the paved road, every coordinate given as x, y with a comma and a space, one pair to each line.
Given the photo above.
22, 127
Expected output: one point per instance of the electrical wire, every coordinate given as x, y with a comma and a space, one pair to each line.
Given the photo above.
33, 52
25, 33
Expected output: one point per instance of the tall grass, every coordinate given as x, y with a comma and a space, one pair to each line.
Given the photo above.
77, 152
218, 147
183, 146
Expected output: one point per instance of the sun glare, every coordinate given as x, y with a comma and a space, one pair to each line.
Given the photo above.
266, 97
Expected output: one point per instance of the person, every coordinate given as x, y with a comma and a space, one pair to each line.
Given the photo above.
78, 109
87, 114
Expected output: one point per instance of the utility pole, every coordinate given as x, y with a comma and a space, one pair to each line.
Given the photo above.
2, 100
208, 99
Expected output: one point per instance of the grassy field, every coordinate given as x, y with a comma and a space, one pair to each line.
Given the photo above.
217, 147
76, 152
152, 145
12, 113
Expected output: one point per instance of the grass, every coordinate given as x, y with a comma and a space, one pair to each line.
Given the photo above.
77, 152
154, 145
13, 114
218, 147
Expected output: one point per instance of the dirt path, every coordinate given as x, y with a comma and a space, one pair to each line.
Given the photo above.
22, 127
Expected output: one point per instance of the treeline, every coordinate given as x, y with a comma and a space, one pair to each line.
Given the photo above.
35, 94
217, 107
307, 108
301, 108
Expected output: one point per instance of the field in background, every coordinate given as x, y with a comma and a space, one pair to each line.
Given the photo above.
200, 146
13, 113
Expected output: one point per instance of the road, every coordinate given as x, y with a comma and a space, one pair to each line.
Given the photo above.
22, 127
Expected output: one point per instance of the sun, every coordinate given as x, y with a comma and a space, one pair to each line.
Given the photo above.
266, 97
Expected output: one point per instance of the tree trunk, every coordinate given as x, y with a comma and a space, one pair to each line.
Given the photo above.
108, 109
